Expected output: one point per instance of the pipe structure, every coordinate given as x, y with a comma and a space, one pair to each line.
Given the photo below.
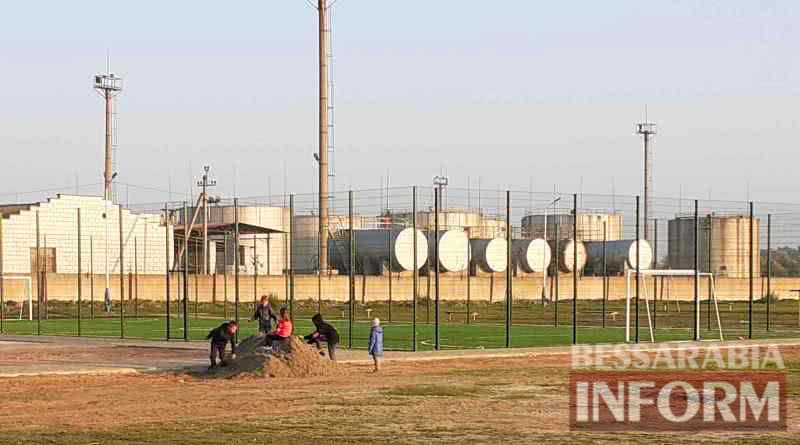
323, 136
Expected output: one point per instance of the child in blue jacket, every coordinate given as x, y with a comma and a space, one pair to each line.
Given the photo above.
376, 343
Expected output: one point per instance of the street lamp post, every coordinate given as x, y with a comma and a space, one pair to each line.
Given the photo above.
107, 293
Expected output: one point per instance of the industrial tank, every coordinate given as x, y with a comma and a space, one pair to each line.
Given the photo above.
531, 255
590, 226
566, 255
453, 250
490, 255
726, 238
620, 254
375, 247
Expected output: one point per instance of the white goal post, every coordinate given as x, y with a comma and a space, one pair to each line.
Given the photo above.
667, 273
30, 294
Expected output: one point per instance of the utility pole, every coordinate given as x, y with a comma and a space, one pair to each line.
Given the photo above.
205, 183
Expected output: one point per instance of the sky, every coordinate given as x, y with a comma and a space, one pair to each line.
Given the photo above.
526, 95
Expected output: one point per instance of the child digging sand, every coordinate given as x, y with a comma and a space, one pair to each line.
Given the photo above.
376, 343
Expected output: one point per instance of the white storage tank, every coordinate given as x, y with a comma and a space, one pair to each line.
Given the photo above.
376, 247
566, 255
490, 255
620, 255
531, 255
453, 250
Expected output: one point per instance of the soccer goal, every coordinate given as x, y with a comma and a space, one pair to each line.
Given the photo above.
669, 274
29, 287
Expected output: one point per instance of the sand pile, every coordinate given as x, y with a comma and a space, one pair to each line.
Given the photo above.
300, 360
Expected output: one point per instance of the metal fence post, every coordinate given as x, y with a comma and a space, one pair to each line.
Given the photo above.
415, 274
38, 281
509, 290
236, 244
696, 271
2, 293
255, 273
638, 270
185, 271
437, 196
469, 284
605, 269
91, 277
750, 276
709, 248
655, 266
291, 256
136, 277
350, 269
769, 266
389, 267
556, 271
225, 277
575, 269
80, 271
121, 277
167, 264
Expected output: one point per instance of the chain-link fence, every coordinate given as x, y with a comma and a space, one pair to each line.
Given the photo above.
441, 267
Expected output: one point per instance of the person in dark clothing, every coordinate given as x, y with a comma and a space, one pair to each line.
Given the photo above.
264, 315
220, 336
325, 332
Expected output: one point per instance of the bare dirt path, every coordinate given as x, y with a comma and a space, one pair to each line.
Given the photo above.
471, 400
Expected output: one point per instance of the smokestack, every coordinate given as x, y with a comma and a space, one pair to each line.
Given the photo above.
323, 138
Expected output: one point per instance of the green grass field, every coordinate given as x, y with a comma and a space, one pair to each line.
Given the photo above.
532, 324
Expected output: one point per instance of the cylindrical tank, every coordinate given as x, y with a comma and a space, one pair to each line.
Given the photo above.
453, 250
590, 226
531, 255
490, 254
374, 247
726, 238
620, 254
566, 255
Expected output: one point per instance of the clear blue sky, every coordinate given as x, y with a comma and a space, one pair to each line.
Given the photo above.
512, 91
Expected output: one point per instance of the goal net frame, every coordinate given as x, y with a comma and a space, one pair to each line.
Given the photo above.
30, 294
667, 273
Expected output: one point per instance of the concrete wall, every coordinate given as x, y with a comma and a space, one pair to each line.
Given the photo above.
58, 229
369, 288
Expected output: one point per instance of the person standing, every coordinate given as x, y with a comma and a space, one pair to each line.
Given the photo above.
376, 343
264, 314
325, 332
220, 336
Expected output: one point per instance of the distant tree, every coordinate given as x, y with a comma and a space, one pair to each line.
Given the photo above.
785, 261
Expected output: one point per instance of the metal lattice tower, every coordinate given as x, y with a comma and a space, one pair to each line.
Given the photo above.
647, 130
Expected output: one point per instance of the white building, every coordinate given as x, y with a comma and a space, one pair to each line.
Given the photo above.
144, 238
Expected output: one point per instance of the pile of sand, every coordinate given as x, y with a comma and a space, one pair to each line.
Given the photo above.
300, 360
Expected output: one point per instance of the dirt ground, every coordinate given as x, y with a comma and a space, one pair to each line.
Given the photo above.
498, 400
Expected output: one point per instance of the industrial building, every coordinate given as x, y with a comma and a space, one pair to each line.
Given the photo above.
263, 238
590, 226
725, 237
144, 241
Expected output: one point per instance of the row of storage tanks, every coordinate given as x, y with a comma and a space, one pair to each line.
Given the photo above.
478, 242
469, 241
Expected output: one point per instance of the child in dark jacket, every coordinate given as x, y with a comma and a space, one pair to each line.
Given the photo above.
264, 315
324, 332
376, 343
220, 336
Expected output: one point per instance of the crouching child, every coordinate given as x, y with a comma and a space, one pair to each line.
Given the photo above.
376, 343
324, 332
220, 336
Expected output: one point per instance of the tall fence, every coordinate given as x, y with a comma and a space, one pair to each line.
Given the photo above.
441, 267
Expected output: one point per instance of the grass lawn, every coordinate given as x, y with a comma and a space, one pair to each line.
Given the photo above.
532, 324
